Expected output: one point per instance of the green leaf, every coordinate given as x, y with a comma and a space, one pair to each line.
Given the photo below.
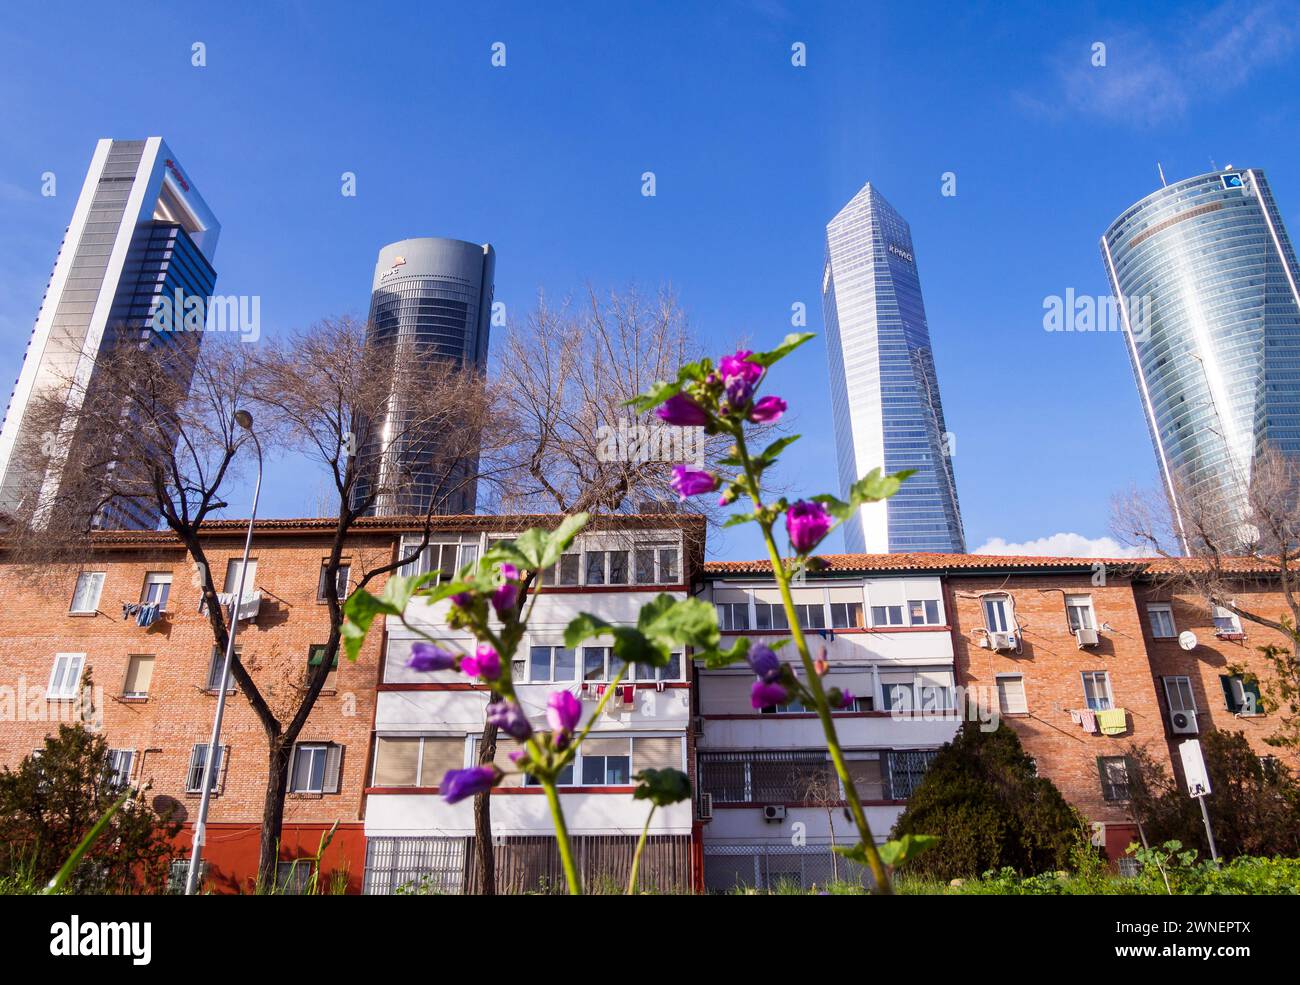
896, 852
854, 853
688, 622
787, 346
657, 394
738, 518
93, 835
776, 447
662, 787
721, 658
834, 506
585, 626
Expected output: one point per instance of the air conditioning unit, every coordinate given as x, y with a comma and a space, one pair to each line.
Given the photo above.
1002, 641
1085, 637
704, 807
774, 812
1183, 722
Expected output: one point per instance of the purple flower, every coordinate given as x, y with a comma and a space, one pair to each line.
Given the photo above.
504, 598
456, 785
485, 663
807, 523
840, 699
738, 366
739, 393
508, 571
563, 711
462, 600
764, 662
761, 695
692, 482
517, 756
510, 719
681, 410
848, 699
767, 410
426, 656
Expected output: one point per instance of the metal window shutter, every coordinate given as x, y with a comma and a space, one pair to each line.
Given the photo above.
333, 768
1229, 701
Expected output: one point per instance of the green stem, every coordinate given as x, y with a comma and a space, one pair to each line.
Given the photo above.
562, 836
640, 847
880, 877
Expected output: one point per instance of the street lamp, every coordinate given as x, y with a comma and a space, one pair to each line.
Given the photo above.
245, 420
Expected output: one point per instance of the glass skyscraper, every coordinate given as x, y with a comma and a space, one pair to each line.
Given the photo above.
431, 299
1205, 281
140, 234
884, 392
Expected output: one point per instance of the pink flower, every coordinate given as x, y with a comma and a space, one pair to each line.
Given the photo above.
767, 410
485, 663
807, 522
692, 482
563, 711
508, 571
681, 410
738, 366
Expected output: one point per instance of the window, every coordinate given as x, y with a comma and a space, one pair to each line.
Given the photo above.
655, 753
1241, 696
811, 616
65, 676
315, 656
996, 613
340, 581
1096, 690
649, 672
1160, 615
1178, 692
897, 696
770, 615
1078, 612
315, 768
886, 615
215, 668
416, 760
606, 762
1226, 622
293, 878
924, 612
1011, 694
119, 766
867, 777
761, 777
617, 567
139, 674
1113, 771
733, 615
906, 770
85, 598
595, 567
569, 567
447, 559
178, 871
594, 663
655, 565
157, 589
846, 615
198, 763
551, 663
233, 567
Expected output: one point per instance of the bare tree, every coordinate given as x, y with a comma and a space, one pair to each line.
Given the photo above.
1210, 546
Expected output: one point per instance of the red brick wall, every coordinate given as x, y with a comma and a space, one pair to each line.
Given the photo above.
35, 625
1052, 663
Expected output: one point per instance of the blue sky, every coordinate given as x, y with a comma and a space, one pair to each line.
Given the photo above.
752, 156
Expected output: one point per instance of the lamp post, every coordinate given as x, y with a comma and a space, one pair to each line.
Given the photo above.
245, 420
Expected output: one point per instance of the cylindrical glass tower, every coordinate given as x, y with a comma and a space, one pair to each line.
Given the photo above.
1206, 283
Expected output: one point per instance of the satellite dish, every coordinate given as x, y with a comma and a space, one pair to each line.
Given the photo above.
1187, 640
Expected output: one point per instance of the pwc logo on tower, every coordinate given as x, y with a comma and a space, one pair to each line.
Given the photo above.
398, 263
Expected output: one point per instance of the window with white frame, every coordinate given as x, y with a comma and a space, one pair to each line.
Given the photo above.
888, 615
199, 762
416, 760
733, 616
1160, 616
1114, 773
120, 762
897, 695
315, 768
770, 615
315, 657
552, 663
794, 707
606, 567
811, 615
847, 615
216, 667
642, 672
157, 589
1226, 622
595, 663
233, 567
923, 612
1011, 694
1179, 694
85, 597
65, 676
935, 690
997, 613
606, 761
341, 580
447, 558
139, 675
1078, 612
1096, 690
656, 564
564, 572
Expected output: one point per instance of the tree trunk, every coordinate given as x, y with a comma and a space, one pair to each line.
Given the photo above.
277, 785
487, 753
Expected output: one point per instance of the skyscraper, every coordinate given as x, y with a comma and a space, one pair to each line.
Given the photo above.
1205, 280
430, 297
884, 393
140, 231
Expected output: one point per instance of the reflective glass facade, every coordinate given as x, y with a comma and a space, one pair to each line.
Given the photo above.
884, 391
1206, 281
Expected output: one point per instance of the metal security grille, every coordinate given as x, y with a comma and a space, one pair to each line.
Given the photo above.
906, 769
415, 865
763, 777
737, 866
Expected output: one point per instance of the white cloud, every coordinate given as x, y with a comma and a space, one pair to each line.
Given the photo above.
1060, 545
